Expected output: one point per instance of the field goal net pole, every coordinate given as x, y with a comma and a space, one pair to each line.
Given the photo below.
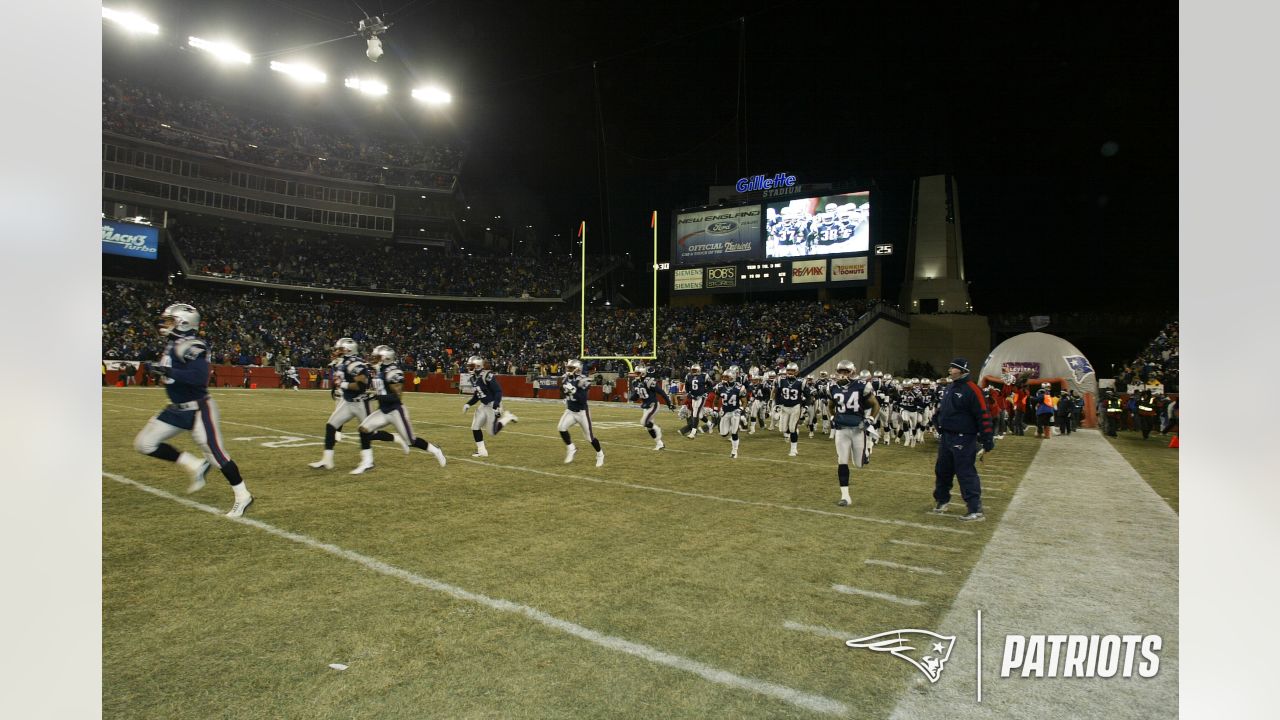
582, 294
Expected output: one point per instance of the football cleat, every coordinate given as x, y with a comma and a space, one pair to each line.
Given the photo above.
480, 453
321, 465
733, 454
793, 453
843, 503
362, 468
600, 459
973, 517
660, 445
238, 508
507, 418
569, 453
940, 509
197, 478
439, 455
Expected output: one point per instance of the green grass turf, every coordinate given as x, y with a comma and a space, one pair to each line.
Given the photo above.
1154, 460
203, 617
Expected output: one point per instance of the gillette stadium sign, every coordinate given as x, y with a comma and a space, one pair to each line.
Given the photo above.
717, 235
778, 181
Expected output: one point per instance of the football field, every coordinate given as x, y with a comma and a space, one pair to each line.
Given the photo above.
680, 583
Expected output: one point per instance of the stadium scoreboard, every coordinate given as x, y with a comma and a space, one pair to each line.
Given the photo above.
785, 244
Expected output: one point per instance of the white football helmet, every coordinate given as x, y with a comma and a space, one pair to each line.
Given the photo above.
844, 371
695, 367
382, 354
475, 362
730, 374
792, 369
344, 347
573, 365
864, 374
823, 374
179, 319
641, 370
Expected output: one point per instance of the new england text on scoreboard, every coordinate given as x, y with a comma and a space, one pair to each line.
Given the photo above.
778, 245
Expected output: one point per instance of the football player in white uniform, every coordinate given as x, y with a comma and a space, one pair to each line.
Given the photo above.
487, 395
183, 369
388, 384
575, 386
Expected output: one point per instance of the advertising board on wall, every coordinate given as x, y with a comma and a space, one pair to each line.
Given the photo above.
717, 235
722, 277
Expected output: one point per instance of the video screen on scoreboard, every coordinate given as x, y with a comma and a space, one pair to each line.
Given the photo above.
824, 225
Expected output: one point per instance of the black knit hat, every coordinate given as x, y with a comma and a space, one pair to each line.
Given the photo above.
960, 364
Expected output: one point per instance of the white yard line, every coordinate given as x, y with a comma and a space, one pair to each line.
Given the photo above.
847, 590
710, 673
909, 568
939, 548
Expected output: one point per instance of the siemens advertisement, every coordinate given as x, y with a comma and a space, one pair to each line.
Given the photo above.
128, 239
718, 235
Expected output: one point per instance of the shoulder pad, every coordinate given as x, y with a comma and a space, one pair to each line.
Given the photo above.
189, 349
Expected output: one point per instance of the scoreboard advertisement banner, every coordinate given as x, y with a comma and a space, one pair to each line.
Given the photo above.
850, 269
718, 235
688, 279
130, 239
808, 271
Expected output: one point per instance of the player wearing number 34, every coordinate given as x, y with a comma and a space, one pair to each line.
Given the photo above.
854, 409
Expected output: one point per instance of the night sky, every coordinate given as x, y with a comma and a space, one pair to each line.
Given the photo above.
1059, 120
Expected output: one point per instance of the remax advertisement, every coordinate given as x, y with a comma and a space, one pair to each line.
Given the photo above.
130, 240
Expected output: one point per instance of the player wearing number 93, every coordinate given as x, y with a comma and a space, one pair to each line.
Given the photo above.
388, 383
184, 371
853, 409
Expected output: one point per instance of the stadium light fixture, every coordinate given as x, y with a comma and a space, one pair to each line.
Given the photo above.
132, 22
223, 51
368, 87
432, 95
302, 73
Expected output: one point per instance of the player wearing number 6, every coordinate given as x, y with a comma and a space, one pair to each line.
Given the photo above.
853, 409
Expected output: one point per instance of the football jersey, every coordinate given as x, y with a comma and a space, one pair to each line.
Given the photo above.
349, 368
485, 388
850, 402
790, 391
759, 391
731, 396
648, 390
575, 389
188, 363
696, 384
384, 375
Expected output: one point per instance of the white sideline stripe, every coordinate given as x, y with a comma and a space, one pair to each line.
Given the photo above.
602, 481
818, 630
736, 501
878, 595
899, 566
807, 701
939, 548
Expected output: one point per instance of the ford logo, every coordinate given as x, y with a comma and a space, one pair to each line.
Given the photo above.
722, 227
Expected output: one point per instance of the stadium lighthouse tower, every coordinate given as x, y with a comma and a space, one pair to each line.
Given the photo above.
934, 290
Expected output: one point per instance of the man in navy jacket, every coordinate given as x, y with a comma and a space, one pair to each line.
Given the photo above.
964, 424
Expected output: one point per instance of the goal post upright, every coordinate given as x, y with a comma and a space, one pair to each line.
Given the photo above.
582, 292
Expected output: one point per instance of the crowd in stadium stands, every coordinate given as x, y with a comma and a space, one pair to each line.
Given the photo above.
1158, 362
204, 125
283, 256
251, 327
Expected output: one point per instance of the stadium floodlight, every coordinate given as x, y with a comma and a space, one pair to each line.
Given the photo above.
433, 95
368, 87
222, 51
303, 73
132, 22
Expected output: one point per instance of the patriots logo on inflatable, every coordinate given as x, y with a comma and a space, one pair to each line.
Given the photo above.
928, 651
1080, 367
